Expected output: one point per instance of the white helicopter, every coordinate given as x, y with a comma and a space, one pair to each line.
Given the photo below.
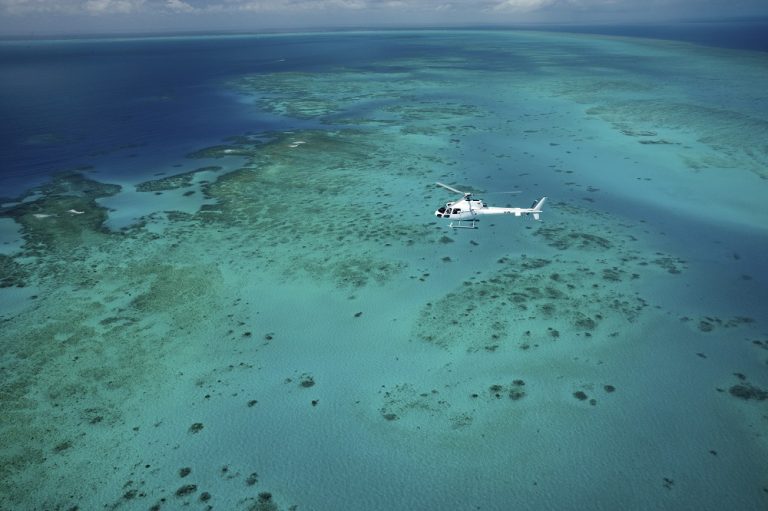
469, 209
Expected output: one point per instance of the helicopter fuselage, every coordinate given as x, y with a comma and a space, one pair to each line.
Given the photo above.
471, 209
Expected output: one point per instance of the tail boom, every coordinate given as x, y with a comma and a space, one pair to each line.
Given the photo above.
537, 207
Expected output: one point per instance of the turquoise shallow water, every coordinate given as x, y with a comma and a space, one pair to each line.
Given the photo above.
224, 286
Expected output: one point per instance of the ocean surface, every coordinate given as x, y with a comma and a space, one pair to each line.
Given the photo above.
223, 286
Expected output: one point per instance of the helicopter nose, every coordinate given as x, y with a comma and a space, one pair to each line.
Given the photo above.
438, 214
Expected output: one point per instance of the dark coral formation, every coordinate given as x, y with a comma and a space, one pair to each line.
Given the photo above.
263, 502
515, 391
673, 265
12, 274
747, 391
709, 323
306, 381
564, 239
185, 490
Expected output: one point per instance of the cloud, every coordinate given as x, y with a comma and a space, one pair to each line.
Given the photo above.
566, 5
523, 5
179, 6
292, 5
189, 6
27, 6
113, 6
72, 6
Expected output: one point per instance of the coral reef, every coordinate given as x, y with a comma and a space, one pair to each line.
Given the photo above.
728, 135
175, 181
507, 306
343, 97
732, 137
110, 319
310, 202
64, 215
12, 274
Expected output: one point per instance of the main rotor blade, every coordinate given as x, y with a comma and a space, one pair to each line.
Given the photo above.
450, 188
516, 192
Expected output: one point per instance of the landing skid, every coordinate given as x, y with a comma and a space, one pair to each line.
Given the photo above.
461, 226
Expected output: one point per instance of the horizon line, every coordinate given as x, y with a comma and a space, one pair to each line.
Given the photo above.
170, 33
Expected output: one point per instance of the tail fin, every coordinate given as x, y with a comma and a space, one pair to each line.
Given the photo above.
537, 207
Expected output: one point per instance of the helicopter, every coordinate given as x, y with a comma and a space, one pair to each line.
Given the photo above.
469, 209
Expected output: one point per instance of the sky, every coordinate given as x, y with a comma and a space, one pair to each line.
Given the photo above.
53, 17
